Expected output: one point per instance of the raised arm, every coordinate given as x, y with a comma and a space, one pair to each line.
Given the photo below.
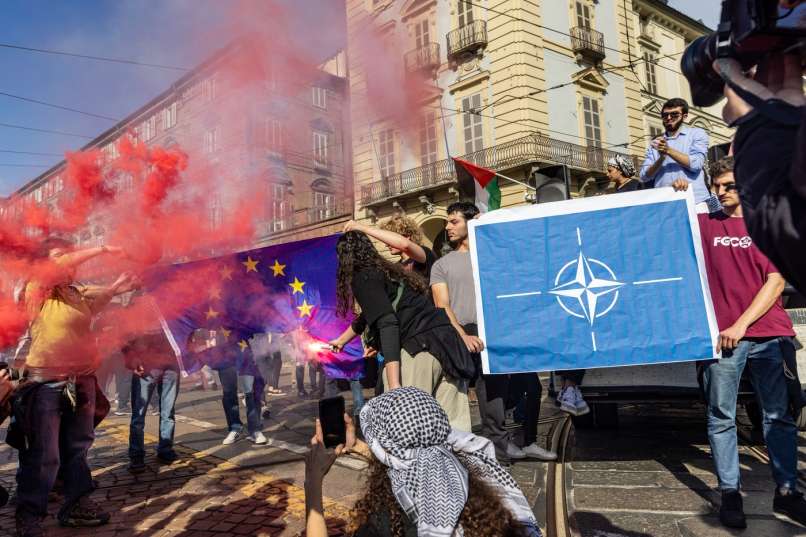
652, 162
390, 238
76, 258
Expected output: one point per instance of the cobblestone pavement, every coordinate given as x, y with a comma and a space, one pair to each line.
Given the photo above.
213, 489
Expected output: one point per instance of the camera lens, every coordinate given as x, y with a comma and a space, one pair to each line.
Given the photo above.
696, 64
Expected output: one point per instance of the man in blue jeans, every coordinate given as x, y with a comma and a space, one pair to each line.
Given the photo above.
152, 360
755, 331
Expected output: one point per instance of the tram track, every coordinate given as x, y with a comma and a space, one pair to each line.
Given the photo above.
560, 440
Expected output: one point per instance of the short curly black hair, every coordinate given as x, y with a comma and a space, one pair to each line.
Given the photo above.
675, 103
467, 209
720, 167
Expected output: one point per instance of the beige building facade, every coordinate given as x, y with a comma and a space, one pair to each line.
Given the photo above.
512, 85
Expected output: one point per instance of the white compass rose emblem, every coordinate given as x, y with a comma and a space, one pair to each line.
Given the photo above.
593, 289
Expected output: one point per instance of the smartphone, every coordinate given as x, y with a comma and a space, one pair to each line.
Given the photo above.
331, 416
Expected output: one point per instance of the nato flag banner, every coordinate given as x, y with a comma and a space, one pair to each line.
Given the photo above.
606, 281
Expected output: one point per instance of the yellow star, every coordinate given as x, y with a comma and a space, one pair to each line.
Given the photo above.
226, 273
305, 308
226, 333
243, 345
278, 269
250, 264
215, 293
296, 286
211, 313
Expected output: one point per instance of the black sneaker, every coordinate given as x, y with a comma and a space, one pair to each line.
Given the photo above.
137, 465
167, 457
266, 414
85, 513
791, 505
731, 512
3, 497
29, 526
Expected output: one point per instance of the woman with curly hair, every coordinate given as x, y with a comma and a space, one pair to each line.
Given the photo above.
419, 345
403, 237
423, 479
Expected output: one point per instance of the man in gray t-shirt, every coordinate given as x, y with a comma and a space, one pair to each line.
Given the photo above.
455, 271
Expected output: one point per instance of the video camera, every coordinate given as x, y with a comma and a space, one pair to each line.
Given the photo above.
748, 31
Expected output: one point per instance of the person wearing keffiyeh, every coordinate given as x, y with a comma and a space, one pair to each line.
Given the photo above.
622, 171
424, 477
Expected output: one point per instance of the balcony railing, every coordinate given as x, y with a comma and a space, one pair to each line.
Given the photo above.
532, 149
320, 213
468, 38
588, 42
424, 58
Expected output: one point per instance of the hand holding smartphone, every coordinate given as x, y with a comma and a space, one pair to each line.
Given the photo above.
331, 416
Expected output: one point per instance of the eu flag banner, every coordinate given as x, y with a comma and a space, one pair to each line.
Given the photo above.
277, 289
606, 281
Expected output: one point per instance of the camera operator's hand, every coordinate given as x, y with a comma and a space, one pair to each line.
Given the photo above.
779, 77
680, 185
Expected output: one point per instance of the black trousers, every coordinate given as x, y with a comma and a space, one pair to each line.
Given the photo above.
574, 375
493, 392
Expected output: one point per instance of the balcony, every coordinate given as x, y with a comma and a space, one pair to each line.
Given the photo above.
425, 58
467, 39
588, 43
533, 149
320, 213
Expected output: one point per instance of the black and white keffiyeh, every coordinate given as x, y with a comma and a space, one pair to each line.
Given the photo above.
409, 433
623, 164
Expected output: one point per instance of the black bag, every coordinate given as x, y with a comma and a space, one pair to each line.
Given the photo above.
797, 399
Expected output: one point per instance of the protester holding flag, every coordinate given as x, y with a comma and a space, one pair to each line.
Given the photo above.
417, 341
454, 291
56, 416
755, 331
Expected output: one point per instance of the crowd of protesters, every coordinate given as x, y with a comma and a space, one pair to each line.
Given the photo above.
416, 316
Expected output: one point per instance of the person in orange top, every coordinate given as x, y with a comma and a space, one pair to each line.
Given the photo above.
62, 362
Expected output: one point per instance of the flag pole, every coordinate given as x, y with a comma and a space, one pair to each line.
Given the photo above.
169, 335
514, 180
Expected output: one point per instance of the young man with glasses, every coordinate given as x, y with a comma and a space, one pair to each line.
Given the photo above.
754, 331
677, 157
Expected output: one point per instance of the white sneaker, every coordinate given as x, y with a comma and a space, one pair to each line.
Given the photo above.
582, 407
257, 438
560, 396
533, 451
231, 438
514, 452
567, 401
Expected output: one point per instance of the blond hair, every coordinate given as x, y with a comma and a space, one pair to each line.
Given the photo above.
403, 225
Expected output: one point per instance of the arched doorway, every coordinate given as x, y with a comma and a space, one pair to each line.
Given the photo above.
434, 233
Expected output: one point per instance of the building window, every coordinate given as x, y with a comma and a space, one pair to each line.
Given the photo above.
421, 34
212, 140
38, 195
386, 152
654, 131
651, 75
58, 184
319, 97
274, 135
169, 116
324, 206
428, 138
320, 142
472, 123
279, 207
592, 121
215, 212
210, 88
583, 13
111, 151
465, 12
148, 129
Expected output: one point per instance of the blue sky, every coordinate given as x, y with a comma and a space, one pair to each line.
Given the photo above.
168, 32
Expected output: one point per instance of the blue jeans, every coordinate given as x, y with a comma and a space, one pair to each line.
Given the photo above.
721, 383
229, 383
166, 382
61, 436
332, 390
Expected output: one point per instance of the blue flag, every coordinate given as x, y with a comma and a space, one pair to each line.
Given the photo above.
598, 282
277, 289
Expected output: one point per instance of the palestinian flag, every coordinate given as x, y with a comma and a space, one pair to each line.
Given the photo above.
478, 183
